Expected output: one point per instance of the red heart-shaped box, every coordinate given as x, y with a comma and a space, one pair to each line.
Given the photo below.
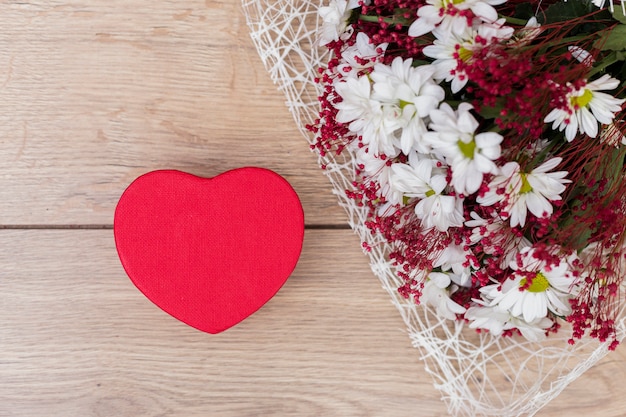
209, 251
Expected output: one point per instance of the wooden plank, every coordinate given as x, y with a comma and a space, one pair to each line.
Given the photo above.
77, 339
95, 93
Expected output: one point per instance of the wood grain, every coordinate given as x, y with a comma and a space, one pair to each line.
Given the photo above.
77, 339
91, 345
94, 93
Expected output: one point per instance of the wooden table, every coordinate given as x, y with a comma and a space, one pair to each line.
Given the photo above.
94, 93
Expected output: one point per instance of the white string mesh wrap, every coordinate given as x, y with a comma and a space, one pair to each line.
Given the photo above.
477, 375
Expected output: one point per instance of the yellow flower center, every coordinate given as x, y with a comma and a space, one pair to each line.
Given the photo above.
526, 187
582, 100
539, 283
403, 104
467, 149
464, 54
448, 5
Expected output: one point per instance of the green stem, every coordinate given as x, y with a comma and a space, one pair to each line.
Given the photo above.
514, 20
368, 18
388, 20
541, 156
609, 60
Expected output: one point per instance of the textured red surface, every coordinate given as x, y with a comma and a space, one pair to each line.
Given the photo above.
209, 251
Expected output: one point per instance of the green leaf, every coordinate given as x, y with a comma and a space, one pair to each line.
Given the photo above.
622, 74
581, 240
524, 11
419, 62
490, 112
618, 15
614, 41
614, 166
562, 11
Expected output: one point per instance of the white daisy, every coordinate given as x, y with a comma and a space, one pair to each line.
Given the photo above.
448, 49
611, 135
534, 331
520, 192
530, 31
496, 321
586, 107
581, 55
496, 238
360, 57
551, 286
335, 18
493, 319
356, 103
421, 178
436, 292
444, 14
460, 261
378, 170
611, 6
439, 210
366, 116
469, 155
413, 179
413, 92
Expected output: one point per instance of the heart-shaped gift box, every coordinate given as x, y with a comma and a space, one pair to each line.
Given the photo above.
477, 374
209, 251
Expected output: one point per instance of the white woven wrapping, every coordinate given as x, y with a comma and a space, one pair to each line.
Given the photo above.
476, 374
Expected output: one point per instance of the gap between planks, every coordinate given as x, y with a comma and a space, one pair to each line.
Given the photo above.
110, 226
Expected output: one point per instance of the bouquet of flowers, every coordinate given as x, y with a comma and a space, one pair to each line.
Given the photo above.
478, 149
489, 141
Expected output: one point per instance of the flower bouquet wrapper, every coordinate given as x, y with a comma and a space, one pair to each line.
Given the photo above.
479, 373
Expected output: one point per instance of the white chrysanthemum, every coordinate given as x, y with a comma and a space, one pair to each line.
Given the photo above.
360, 57
611, 6
460, 261
436, 293
378, 170
413, 92
535, 331
611, 135
501, 240
413, 179
448, 49
496, 321
335, 18
551, 286
528, 33
439, 210
586, 107
469, 155
388, 106
493, 319
356, 104
581, 55
444, 15
521, 192
367, 117
420, 178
